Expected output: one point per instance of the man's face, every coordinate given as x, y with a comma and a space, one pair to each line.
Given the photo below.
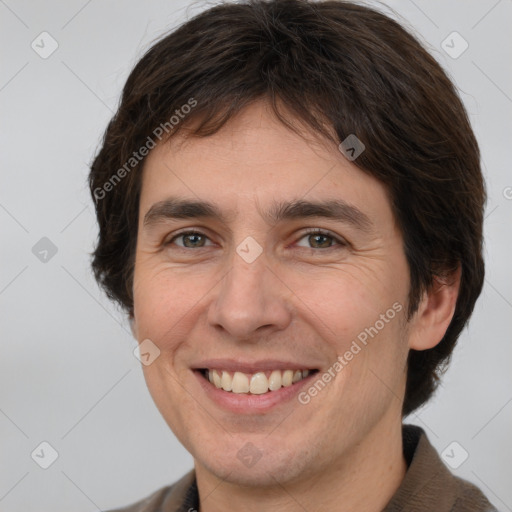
211, 300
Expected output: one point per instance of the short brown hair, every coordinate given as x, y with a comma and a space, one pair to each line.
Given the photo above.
342, 69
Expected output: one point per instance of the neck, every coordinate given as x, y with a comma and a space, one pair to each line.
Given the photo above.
366, 479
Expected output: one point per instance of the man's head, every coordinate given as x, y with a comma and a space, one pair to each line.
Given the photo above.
243, 107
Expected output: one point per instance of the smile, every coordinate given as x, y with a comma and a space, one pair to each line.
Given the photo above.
256, 383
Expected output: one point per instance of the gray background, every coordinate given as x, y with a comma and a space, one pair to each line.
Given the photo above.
67, 372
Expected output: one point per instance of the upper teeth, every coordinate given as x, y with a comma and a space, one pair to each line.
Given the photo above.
257, 383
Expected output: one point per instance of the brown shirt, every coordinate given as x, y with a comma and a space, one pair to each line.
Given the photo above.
428, 486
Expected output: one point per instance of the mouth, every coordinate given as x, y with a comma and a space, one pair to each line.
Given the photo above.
259, 383
253, 393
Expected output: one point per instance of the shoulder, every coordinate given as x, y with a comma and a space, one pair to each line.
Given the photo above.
166, 499
470, 498
151, 503
429, 485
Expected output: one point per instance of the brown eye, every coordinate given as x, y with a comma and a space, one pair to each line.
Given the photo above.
318, 239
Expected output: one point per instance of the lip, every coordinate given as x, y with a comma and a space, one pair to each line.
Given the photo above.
243, 403
264, 365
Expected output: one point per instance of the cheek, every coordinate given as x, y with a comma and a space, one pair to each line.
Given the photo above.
358, 312
164, 302
344, 302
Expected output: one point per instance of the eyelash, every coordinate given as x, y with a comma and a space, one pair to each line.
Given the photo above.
310, 231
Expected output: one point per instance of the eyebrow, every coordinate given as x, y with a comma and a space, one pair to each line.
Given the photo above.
335, 209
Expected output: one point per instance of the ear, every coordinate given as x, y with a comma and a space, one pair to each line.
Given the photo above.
435, 312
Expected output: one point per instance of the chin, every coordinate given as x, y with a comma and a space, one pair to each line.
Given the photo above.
260, 469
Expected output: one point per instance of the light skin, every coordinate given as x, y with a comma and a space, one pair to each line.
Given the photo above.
304, 299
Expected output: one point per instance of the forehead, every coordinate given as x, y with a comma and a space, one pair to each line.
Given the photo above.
255, 160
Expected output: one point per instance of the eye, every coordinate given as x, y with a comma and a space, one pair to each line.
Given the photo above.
317, 238
320, 239
190, 239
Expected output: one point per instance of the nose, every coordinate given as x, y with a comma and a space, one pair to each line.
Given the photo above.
251, 301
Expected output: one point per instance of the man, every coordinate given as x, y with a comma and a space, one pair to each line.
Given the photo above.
290, 207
